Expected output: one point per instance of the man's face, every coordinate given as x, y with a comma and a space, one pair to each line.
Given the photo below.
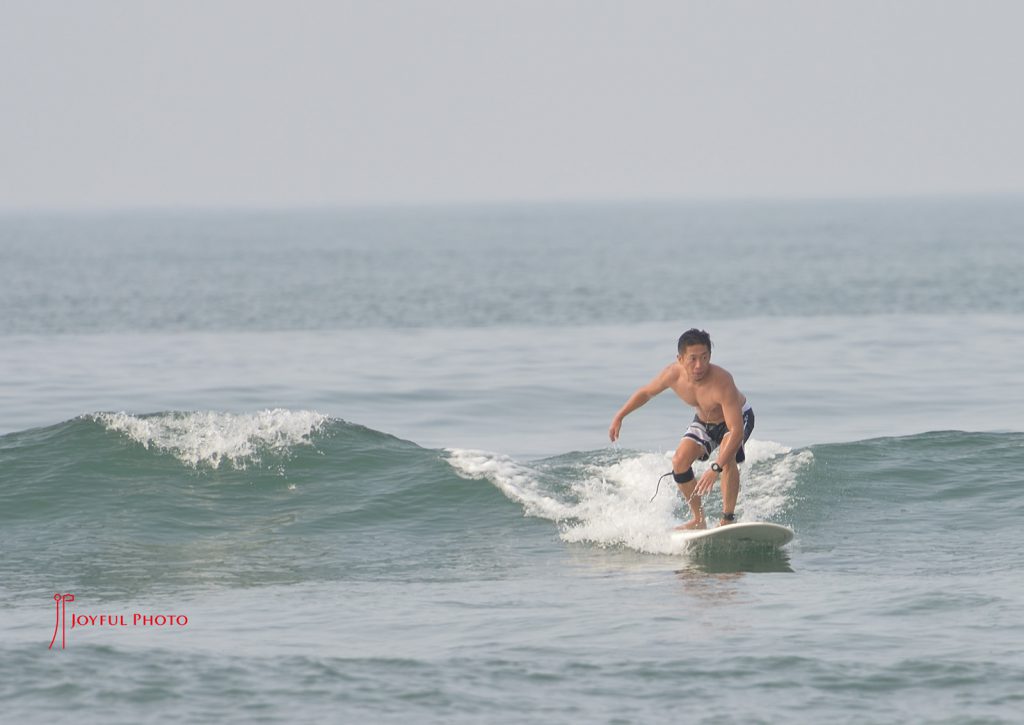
696, 361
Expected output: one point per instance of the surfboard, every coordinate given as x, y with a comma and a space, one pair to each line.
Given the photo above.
745, 532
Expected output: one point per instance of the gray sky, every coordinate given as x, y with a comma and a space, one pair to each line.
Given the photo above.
220, 102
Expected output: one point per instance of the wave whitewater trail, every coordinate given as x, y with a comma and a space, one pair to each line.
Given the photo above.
281, 495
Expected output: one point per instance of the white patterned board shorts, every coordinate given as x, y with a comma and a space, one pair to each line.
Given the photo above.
710, 435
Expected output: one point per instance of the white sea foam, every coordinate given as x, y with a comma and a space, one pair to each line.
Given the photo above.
517, 481
212, 438
610, 504
768, 479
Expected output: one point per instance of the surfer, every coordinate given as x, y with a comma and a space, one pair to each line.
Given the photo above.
723, 421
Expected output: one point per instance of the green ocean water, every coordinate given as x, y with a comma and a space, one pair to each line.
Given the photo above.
431, 571
364, 454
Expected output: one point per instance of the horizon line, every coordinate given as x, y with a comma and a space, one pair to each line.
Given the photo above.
496, 203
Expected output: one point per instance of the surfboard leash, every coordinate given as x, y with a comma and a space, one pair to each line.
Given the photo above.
658, 488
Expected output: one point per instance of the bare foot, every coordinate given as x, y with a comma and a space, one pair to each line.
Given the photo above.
726, 522
691, 525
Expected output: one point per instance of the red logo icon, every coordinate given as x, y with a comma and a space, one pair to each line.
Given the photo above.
60, 599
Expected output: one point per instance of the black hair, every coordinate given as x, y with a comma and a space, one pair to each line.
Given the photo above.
694, 336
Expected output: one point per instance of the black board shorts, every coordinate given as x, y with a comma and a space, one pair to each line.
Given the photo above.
710, 435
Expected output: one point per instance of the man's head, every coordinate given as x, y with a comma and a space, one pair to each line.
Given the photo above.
695, 353
694, 336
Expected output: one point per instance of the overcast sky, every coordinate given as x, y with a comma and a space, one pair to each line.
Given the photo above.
307, 102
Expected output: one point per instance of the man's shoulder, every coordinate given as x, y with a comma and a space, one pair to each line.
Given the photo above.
721, 373
670, 372
723, 380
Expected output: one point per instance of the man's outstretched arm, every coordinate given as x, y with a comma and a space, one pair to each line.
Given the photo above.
637, 399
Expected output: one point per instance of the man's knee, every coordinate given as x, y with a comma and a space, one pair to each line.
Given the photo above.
684, 477
683, 459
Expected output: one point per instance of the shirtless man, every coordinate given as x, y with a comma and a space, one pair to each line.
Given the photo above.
722, 411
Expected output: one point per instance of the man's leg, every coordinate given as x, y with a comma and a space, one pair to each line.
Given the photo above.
689, 451
731, 473
730, 490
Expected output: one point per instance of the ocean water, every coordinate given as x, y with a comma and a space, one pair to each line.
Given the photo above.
353, 465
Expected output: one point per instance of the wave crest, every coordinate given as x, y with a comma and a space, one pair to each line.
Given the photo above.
208, 439
606, 498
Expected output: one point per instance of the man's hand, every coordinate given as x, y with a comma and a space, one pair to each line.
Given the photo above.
706, 482
613, 431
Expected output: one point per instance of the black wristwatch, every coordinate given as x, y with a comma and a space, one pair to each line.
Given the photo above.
715, 467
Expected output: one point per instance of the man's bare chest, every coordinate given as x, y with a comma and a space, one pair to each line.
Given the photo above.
707, 406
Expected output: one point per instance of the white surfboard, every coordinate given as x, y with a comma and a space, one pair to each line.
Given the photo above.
744, 532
